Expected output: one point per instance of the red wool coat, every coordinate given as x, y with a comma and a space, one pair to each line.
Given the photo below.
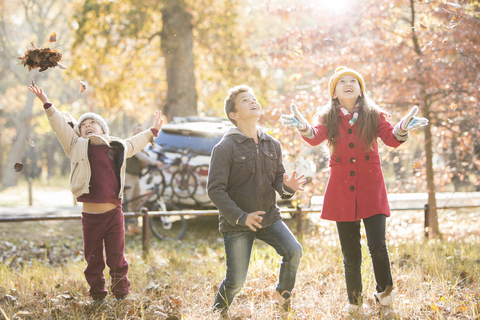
356, 187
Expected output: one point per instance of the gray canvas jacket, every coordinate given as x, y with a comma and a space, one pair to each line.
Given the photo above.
76, 148
243, 178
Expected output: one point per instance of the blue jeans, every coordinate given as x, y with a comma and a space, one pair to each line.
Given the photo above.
238, 247
349, 234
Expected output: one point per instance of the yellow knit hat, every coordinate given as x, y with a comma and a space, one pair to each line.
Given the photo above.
343, 71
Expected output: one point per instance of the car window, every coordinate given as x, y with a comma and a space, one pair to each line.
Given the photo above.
200, 143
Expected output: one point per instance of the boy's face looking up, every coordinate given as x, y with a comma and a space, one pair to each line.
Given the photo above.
246, 106
89, 127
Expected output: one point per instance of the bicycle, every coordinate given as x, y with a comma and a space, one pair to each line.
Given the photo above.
163, 227
183, 181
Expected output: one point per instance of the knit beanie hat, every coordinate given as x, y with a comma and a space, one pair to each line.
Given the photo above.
343, 71
94, 116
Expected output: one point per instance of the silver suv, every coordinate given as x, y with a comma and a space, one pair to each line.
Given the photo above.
198, 136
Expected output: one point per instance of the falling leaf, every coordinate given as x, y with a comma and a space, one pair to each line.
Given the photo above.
32, 44
449, 27
417, 165
53, 37
83, 86
42, 58
453, 106
31, 143
455, 7
456, 19
423, 27
18, 167
328, 41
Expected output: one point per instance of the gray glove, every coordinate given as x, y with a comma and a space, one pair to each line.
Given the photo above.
297, 121
409, 122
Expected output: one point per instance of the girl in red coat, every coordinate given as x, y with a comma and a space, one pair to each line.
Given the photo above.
351, 124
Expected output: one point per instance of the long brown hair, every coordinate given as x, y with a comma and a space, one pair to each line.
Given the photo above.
368, 113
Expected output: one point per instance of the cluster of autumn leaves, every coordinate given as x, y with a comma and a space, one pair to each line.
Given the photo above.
43, 58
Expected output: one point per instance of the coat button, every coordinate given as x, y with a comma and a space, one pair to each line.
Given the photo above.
368, 158
350, 131
352, 188
351, 145
338, 159
352, 173
243, 158
352, 160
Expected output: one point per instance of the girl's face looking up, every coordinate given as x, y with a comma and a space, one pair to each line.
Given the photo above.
347, 87
89, 127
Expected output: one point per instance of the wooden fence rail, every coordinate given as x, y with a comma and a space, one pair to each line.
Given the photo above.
298, 213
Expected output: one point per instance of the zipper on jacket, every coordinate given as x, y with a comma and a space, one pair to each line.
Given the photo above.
259, 172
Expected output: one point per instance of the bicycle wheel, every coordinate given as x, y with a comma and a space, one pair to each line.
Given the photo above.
184, 183
166, 227
154, 179
201, 196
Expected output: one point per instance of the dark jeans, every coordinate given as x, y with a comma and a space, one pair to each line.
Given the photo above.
99, 229
238, 247
349, 234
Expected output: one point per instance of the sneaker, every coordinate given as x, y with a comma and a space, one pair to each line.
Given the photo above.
223, 312
98, 304
354, 312
283, 300
388, 313
385, 299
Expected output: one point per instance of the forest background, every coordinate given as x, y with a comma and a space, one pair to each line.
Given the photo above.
182, 56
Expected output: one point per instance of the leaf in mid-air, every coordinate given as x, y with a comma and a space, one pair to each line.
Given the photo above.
417, 165
53, 37
83, 86
18, 167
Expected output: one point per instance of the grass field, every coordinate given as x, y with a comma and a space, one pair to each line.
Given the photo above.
41, 273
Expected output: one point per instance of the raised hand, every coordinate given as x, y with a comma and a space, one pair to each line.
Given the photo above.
158, 120
409, 122
297, 121
295, 183
254, 219
39, 92
294, 120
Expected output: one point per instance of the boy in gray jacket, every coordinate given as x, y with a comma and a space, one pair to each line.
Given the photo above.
246, 169
97, 179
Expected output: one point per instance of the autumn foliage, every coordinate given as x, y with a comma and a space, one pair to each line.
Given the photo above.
410, 53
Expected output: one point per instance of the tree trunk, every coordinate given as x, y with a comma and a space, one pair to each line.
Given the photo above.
177, 48
433, 231
17, 152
